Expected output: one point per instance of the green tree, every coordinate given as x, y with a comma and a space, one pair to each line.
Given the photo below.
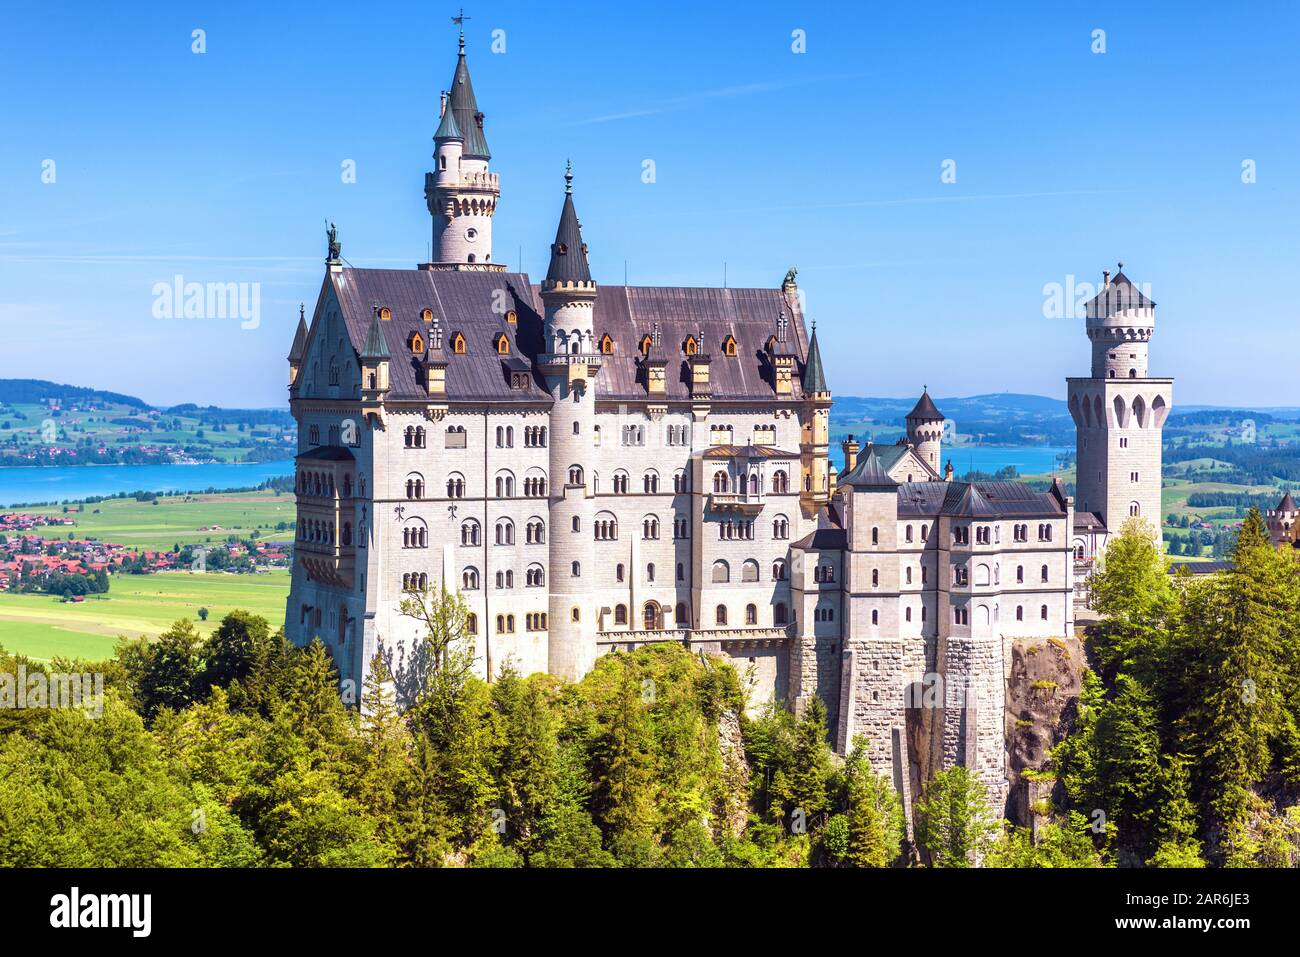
954, 826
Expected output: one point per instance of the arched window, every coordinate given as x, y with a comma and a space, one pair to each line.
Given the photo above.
729, 347
1044, 573
721, 572
875, 536
690, 347
505, 485
650, 482
575, 569
1020, 613
779, 613
535, 576
780, 528
751, 614
749, 571
620, 614
1042, 613
415, 486
535, 532
455, 485
650, 527
720, 615
780, 482
503, 344
471, 623
458, 344
720, 482
469, 578
505, 532
778, 570
607, 345
620, 482
680, 616
650, 617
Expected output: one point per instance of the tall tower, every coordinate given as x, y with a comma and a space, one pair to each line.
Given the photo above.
1119, 411
570, 365
925, 430
814, 448
462, 193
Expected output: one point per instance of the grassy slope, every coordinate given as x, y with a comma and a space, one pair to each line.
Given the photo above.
43, 626
143, 525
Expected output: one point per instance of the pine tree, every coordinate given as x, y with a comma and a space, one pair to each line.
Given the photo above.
810, 765
954, 827
1127, 744
875, 815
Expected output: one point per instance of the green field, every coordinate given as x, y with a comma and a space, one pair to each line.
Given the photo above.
42, 626
177, 519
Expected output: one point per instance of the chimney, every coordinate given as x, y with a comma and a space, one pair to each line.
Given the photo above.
851, 449
1105, 279
442, 104
947, 471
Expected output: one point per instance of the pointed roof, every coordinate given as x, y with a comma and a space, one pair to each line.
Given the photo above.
568, 252
448, 129
814, 379
1287, 504
868, 473
924, 408
375, 346
965, 500
1123, 290
468, 117
299, 338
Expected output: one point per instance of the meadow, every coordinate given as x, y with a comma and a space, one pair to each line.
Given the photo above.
43, 626
177, 519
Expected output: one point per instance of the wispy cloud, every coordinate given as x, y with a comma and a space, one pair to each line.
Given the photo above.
688, 100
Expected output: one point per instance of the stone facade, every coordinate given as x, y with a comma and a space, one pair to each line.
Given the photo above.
597, 468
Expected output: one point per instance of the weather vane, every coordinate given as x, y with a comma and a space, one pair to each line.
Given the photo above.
459, 20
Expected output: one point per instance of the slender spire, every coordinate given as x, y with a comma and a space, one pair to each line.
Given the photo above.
448, 129
469, 118
568, 176
568, 252
814, 379
299, 337
375, 346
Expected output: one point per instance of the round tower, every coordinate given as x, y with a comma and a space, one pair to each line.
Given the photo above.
1281, 521
462, 193
570, 365
925, 430
1120, 322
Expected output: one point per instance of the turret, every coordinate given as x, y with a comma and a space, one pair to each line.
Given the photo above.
570, 365
462, 194
374, 368
1121, 321
1281, 522
925, 430
299, 346
815, 445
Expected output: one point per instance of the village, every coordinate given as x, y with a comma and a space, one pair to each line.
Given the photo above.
34, 558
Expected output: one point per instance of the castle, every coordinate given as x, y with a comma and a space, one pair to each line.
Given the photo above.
595, 468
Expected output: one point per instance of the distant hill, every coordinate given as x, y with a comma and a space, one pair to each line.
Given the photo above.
37, 391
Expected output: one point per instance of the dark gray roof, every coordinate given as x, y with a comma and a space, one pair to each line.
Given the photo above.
328, 453
1122, 290
1088, 520
827, 536
468, 116
1201, 568
568, 252
868, 473
467, 302
448, 129
629, 313
814, 379
924, 408
463, 302
748, 451
976, 500
1286, 505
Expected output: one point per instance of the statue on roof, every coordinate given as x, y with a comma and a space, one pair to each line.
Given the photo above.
789, 277
332, 234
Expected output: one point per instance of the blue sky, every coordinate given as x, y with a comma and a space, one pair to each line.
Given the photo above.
222, 167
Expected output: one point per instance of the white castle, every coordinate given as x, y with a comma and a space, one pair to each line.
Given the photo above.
595, 468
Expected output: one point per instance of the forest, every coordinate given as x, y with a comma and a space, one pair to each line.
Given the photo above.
242, 750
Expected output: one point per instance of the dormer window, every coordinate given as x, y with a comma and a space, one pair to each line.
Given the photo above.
426, 315
691, 347
385, 313
771, 344
458, 344
729, 346
503, 344
606, 345
416, 343
645, 345
512, 317
562, 249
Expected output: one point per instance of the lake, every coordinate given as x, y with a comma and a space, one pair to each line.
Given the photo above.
1028, 459
75, 482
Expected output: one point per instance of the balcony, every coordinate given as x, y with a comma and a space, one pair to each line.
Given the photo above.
328, 563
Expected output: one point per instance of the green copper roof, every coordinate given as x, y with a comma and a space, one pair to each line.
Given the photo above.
814, 379
468, 116
447, 129
375, 347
